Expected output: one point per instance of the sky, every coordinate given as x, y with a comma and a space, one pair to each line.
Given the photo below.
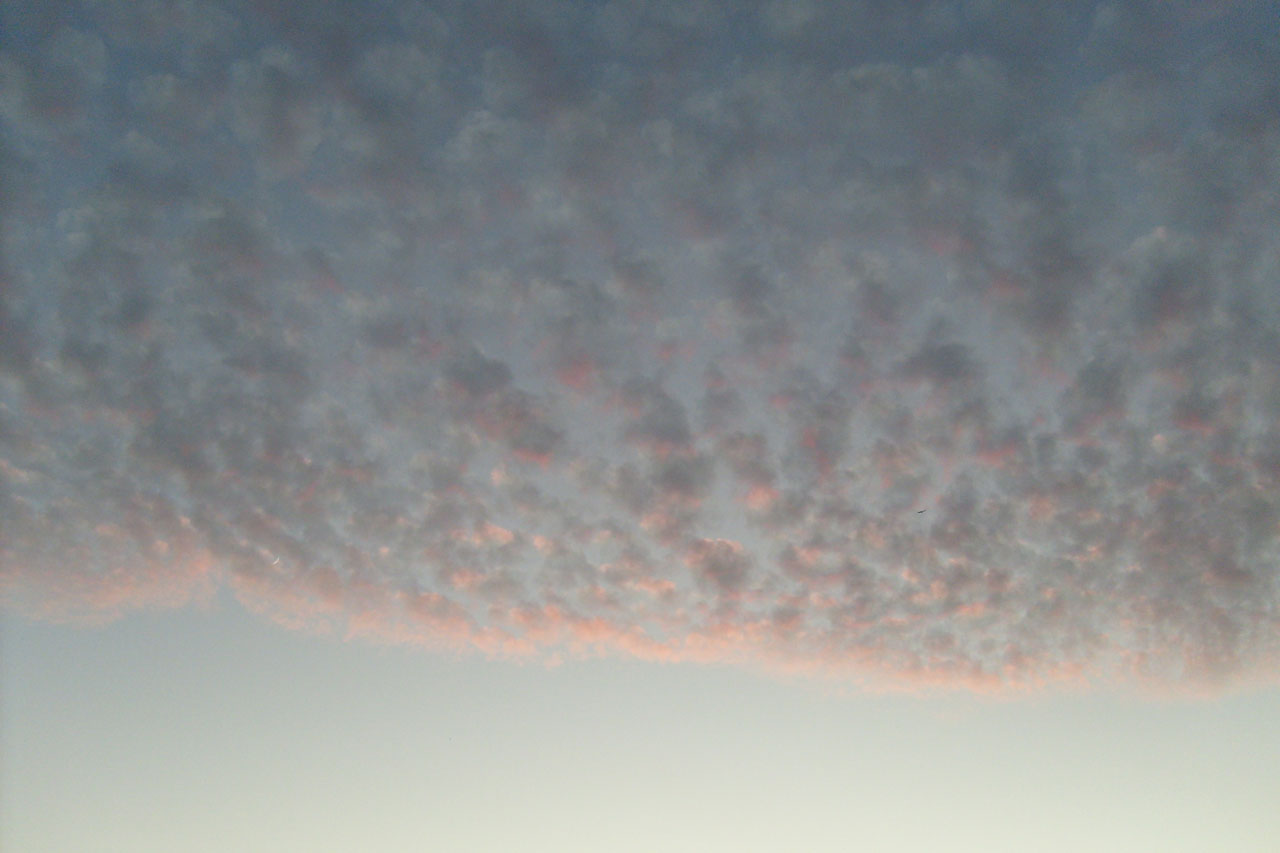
639, 425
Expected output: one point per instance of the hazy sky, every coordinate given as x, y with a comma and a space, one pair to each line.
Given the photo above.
627, 405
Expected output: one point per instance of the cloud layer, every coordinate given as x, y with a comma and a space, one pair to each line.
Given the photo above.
651, 328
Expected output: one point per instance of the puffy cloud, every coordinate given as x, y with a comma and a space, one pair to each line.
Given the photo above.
51, 91
593, 331
720, 564
275, 108
657, 422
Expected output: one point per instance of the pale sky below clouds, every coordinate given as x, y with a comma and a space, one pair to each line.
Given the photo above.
212, 731
645, 330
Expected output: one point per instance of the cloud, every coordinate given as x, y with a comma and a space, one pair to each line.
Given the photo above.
583, 331
720, 564
51, 91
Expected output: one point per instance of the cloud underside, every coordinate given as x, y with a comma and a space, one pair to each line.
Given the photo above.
599, 333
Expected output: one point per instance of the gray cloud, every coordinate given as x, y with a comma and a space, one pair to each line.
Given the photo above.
648, 329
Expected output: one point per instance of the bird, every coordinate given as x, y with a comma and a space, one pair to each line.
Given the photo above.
920, 511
